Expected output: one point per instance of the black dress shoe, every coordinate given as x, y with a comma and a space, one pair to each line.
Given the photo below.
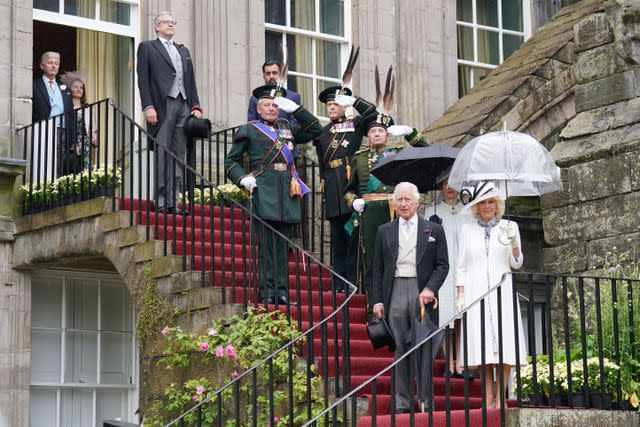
182, 212
267, 301
447, 374
283, 300
402, 411
165, 209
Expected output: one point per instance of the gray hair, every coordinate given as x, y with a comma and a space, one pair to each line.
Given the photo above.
409, 186
475, 209
48, 55
156, 20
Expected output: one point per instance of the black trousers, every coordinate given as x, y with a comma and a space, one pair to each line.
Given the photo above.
273, 259
344, 251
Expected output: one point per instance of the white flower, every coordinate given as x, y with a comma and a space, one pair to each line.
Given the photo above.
63, 87
345, 143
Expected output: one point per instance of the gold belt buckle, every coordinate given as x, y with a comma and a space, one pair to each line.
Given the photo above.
280, 167
335, 163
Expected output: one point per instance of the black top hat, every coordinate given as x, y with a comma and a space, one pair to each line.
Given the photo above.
197, 128
269, 91
380, 334
329, 94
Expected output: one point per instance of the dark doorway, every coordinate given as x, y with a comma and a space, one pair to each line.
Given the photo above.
56, 38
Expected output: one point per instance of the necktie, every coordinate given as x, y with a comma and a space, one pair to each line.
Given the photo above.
51, 87
407, 229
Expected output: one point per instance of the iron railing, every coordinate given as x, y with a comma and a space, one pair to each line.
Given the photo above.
590, 327
212, 235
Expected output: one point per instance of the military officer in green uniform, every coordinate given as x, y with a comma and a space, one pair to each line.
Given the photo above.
273, 180
371, 200
340, 139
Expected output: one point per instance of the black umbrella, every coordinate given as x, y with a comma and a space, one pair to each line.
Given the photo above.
418, 165
421, 328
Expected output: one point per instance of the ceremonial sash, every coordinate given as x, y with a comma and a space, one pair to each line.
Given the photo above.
297, 188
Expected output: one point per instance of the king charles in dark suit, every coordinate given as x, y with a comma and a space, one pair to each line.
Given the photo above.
168, 94
51, 99
410, 264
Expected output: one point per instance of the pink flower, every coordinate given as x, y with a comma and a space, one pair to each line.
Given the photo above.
234, 374
231, 352
276, 420
204, 346
165, 331
200, 389
195, 397
212, 332
219, 351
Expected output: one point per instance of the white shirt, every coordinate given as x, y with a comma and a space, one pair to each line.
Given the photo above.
407, 241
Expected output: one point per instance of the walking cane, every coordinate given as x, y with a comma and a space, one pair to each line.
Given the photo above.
251, 248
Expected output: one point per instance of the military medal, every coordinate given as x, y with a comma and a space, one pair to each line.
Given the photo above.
279, 144
346, 126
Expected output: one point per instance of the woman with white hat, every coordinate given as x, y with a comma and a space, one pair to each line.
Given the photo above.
489, 247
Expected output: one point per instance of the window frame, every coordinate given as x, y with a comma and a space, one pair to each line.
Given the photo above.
475, 63
344, 42
132, 389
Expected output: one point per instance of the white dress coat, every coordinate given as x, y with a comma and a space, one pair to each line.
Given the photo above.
477, 272
453, 218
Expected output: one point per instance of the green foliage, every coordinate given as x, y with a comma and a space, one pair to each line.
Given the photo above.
151, 307
70, 185
231, 347
217, 195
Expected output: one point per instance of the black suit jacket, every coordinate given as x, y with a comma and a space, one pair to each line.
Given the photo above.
432, 261
156, 75
41, 106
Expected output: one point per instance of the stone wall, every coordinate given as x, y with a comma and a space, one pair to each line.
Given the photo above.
599, 149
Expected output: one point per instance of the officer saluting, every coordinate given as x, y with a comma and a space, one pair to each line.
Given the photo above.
371, 200
340, 139
273, 179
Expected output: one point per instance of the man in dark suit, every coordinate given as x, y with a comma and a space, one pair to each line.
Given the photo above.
410, 264
53, 100
168, 93
270, 74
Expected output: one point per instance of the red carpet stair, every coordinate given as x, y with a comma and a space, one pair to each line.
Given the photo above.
365, 361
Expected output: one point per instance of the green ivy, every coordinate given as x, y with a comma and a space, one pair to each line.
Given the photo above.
152, 308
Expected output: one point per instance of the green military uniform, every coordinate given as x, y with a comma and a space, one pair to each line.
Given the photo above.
378, 197
268, 146
340, 139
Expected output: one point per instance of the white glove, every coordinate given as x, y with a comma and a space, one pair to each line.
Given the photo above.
510, 231
459, 303
345, 100
249, 182
358, 205
286, 104
400, 130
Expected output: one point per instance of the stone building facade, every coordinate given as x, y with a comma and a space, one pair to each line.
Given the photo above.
227, 40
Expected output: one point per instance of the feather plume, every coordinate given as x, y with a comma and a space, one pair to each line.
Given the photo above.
351, 63
389, 86
284, 69
378, 91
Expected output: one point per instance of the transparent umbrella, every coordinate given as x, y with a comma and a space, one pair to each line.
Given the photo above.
515, 161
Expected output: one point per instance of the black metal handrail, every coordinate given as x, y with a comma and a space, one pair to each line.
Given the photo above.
604, 375
212, 235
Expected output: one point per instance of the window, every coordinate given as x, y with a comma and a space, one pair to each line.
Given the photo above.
112, 16
314, 34
83, 353
489, 31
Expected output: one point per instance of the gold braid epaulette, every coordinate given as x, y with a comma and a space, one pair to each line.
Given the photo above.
363, 150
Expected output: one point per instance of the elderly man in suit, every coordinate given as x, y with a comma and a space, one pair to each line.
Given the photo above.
410, 264
53, 100
168, 93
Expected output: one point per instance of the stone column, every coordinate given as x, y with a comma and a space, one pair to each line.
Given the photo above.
15, 299
419, 38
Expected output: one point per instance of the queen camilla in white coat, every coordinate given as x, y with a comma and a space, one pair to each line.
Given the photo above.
489, 248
